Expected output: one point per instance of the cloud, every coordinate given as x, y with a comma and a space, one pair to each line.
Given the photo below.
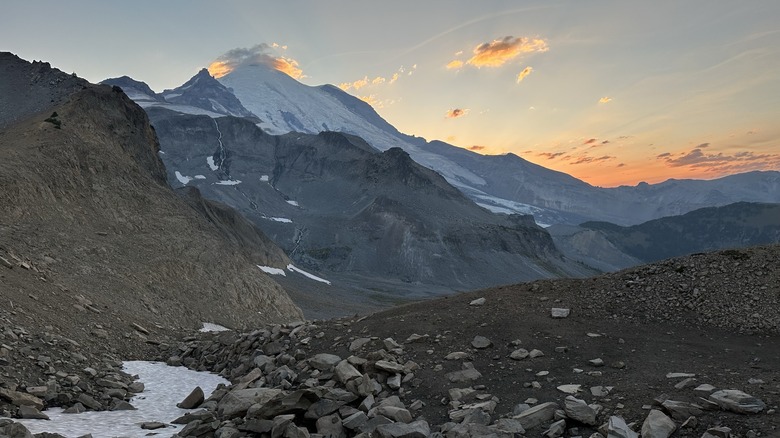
605, 142
590, 141
378, 80
721, 163
358, 84
703, 145
260, 54
551, 155
477, 148
605, 99
394, 78
454, 64
456, 112
498, 52
586, 159
372, 100
526, 71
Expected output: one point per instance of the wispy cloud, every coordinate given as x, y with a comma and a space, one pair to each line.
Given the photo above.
456, 113
358, 84
454, 64
477, 147
522, 75
551, 155
585, 159
260, 54
590, 141
605, 99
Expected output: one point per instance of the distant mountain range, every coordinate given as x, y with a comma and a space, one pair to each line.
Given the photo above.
611, 247
502, 183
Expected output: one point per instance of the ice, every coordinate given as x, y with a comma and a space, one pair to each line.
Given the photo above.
183, 179
264, 178
230, 182
212, 164
294, 203
272, 271
165, 386
293, 268
211, 327
200, 177
279, 219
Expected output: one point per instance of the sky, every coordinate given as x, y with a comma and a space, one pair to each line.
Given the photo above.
611, 92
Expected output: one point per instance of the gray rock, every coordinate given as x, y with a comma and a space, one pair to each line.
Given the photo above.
717, 432
617, 428
389, 367
417, 429
227, 432
519, 354
346, 372
533, 354
12, 429
481, 342
557, 312
737, 401
556, 429
508, 425
121, 405
463, 376
89, 402
578, 410
394, 382
193, 400
20, 398
478, 302
358, 343
152, 425
236, 403
322, 408
29, 412
324, 361
355, 421
657, 425
456, 355
75, 409
293, 431
597, 362
680, 410
136, 387
537, 415
395, 413
331, 426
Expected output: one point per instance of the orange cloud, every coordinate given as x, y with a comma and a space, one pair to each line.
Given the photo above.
589, 141
498, 52
378, 80
526, 71
260, 54
720, 163
394, 78
456, 113
358, 84
605, 99
455, 64
477, 148
372, 100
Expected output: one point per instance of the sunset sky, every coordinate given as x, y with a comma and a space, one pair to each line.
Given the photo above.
612, 92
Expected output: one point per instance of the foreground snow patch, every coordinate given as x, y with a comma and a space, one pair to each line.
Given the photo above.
293, 203
165, 386
211, 163
278, 219
264, 178
211, 327
272, 271
293, 268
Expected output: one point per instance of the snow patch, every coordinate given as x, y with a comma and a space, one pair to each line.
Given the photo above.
183, 179
264, 178
164, 387
293, 268
199, 177
212, 164
279, 219
230, 182
272, 271
294, 203
211, 327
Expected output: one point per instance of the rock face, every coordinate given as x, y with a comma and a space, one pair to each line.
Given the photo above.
337, 205
128, 232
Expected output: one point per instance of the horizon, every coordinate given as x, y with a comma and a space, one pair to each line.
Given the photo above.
596, 91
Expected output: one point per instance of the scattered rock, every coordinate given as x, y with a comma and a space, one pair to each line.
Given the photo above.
537, 415
478, 302
559, 313
737, 401
29, 412
481, 342
193, 400
578, 410
657, 425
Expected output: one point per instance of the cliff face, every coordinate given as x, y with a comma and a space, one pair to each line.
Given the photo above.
86, 216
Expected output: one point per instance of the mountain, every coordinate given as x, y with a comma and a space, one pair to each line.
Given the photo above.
202, 94
93, 238
503, 183
736, 225
339, 207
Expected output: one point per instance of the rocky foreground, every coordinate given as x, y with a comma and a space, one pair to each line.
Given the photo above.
683, 348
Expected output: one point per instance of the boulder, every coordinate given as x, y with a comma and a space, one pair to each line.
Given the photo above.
324, 361
481, 342
30, 413
617, 428
657, 425
236, 403
193, 400
17, 398
578, 410
346, 372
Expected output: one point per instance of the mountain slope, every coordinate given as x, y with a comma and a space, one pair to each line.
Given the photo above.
338, 206
733, 226
86, 216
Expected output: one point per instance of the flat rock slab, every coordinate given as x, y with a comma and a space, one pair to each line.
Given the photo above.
537, 415
559, 313
737, 401
481, 342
